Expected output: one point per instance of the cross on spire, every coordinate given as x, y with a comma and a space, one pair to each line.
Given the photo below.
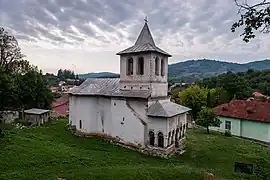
145, 19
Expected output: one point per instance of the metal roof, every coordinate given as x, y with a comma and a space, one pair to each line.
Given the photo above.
144, 43
36, 111
107, 87
166, 109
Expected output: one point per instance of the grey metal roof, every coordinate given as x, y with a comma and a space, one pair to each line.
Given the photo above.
166, 109
36, 111
144, 43
107, 87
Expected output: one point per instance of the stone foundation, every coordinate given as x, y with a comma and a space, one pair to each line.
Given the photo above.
149, 150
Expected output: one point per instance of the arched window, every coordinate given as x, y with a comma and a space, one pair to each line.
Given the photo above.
151, 138
184, 128
177, 134
130, 66
162, 67
140, 67
160, 140
172, 137
80, 124
157, 64
169, 138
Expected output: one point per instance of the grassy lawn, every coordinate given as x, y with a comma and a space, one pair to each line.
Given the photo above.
51, 151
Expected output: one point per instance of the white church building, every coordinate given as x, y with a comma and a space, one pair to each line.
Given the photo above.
134, 108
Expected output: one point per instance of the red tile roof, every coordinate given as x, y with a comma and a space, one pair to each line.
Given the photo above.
257, 94
250, 110
61, 106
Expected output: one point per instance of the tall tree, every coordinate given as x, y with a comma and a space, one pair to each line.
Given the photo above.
194, 97
11, 58
253, 17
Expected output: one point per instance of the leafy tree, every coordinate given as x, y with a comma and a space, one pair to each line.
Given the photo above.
254, 17
206, 118
194, 97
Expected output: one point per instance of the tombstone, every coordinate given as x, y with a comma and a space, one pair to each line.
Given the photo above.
243, 168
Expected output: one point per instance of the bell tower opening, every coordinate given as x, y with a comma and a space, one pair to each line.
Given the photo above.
140, 66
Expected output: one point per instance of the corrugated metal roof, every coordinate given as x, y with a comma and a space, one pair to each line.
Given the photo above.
107, 87
36, 111
144, 43
166, 109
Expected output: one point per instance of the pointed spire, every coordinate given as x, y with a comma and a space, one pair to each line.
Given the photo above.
145, 36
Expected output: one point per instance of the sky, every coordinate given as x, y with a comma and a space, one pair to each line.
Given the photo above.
85, 35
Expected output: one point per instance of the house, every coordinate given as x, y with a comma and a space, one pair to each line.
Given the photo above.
60, 106
248, 119
36, 116
134, 108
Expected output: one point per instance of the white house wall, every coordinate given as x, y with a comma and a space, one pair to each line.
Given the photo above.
125, 124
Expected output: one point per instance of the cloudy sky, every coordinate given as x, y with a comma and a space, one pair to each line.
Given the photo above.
85, 35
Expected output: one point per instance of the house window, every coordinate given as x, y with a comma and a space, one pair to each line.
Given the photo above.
130, 66
140, 66
151, 138
80, 124
160, 140
157, 64
162, 67
228, 125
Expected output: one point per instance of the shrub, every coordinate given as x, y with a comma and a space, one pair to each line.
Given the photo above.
228, 133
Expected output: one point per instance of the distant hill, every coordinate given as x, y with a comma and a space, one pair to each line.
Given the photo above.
191, 70
98, 75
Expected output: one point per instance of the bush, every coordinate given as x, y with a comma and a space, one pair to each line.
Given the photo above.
228, 133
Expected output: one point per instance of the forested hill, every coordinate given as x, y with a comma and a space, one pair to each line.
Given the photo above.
191, 70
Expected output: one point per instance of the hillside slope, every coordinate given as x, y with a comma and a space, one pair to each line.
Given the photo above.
191, 70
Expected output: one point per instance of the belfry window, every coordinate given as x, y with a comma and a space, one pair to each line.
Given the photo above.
162, 67
130, 66
140, 66
157, 65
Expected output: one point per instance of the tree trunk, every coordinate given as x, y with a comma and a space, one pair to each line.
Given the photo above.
207, 128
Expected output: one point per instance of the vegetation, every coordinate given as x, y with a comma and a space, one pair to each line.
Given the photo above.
253, 17
51, 152
21, 84
194, 70
240, 85
207, 118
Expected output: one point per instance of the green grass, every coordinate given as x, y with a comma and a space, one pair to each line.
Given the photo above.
51, 151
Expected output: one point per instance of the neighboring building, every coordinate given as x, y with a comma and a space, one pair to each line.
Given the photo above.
36, 116
134, 108
248, 119
61, 106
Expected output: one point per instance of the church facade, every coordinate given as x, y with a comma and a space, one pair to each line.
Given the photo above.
134, 108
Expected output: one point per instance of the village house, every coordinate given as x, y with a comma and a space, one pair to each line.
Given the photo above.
134, 108
60, 106
247, 119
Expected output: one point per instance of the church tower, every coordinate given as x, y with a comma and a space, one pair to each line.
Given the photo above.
144, 66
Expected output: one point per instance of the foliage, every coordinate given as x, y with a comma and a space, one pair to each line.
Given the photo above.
194, 97
51, 152
254, 17
21, 84
240, 85
228, 133
206, 118
194, 70
65, 74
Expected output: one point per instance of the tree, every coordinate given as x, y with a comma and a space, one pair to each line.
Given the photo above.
11, 58
254, 17
194, 97
207, 117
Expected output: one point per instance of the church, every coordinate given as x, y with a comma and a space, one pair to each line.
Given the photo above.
134, 108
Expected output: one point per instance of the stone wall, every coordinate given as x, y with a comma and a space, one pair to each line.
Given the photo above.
9, 116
